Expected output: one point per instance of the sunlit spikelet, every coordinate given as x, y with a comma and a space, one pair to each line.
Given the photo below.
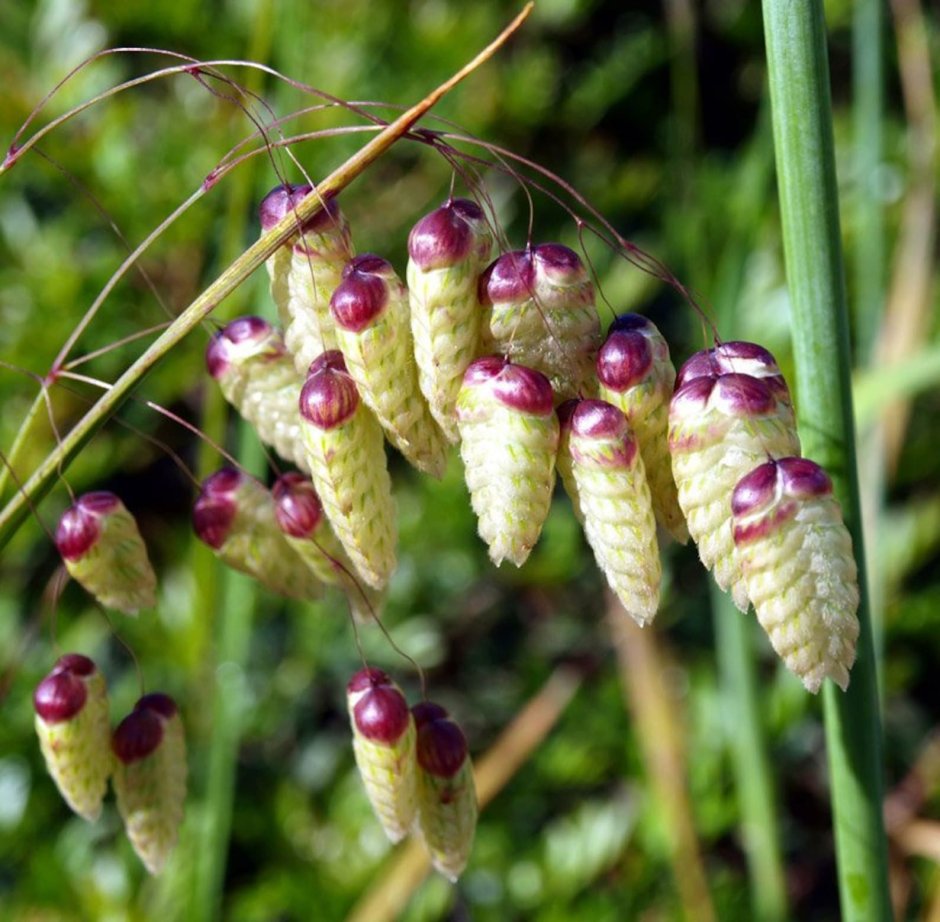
103, 551
384, 745
346, 454
721, 427
303, 284
234, 514
796, 554
509, 441
447, 802
448, 250
71, 705
371, 312
614, 498
257, 376
150, 777
538, 309
636, 375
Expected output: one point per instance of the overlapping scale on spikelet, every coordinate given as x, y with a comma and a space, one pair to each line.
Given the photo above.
447, 802
636, 374
234, 514
447, 250
346, 455
384, 745
796, 555
303, 284
71, 705
614, 498
371, 312
538, 309
257, 376
301, 519
509, 441
722, 426
150, 777
103, 551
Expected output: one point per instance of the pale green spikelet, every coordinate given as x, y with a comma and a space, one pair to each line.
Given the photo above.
103, 551
614, 498
150, 777
509, 441
636, 375
384, 745
257, 376
370, 308
235, 515
538, 309
796, 554
447, 801
346, 454
720, 427
71, 705
563, 465
447, 250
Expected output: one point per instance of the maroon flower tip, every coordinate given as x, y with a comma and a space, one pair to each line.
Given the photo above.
382, 714
296, 505
217, 362
76, 533
76, 663
442, 748
368, 264
98, 502
515, 386
803, 478
363, 293
370, 677
740, 350
243, 337
755, 490
59, 696
426, 711
225, 481
329, 396
559, 264
215, 508
331, 360
279, 201
566, 410
598, 419
159, 703
629, 323
743, 395
445, 236
508, 278
625, 359
138, 735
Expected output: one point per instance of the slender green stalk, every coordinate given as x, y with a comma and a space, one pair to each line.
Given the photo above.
795, 34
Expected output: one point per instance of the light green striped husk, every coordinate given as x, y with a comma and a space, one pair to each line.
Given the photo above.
447, 818
380, 359
509, 466
563, 466
803, 581
116, 569
349, 471
151, 793
78, 751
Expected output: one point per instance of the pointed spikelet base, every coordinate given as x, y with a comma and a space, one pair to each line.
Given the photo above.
509, 441
150, 778
797, 558
615, 500
384, 745
75, 732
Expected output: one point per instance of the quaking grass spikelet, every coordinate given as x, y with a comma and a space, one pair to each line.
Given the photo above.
370, 308
635, 374
796, 554
509, 441
384, 745
71, 705
103, 551
346, 454
447, 250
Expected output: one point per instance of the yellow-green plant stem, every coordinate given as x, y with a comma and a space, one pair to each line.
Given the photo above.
795, 35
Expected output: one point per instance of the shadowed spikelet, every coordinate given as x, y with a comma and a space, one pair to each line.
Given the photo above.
71, 705
635, 374
447, 251
796, 555
234, 514
509, 440
384, 744
104, 552
447, 801
614, 498
306, 271
257, 376
150, 777
538, 309
346, 454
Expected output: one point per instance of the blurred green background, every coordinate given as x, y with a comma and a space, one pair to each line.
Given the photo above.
626, 791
